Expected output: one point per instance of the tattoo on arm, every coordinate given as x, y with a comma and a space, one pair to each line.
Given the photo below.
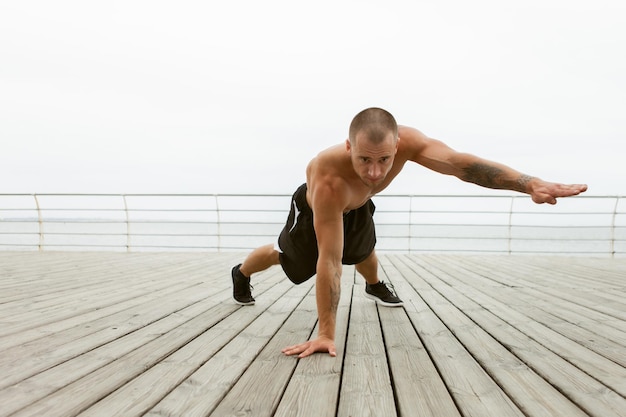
493, 177
335, 293
523, 181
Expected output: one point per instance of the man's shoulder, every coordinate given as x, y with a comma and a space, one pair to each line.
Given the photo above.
411, 135
329, 190
328, 186
411, 143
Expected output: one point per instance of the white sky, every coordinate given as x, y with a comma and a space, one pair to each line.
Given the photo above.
219, 97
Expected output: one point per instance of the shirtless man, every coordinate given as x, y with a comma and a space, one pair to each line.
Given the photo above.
330, 223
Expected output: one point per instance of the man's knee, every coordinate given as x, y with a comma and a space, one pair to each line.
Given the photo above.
368, 259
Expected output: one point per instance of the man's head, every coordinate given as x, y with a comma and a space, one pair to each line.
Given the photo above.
375, 123
372, 144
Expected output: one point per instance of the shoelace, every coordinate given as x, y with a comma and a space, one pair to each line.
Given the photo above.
390, 287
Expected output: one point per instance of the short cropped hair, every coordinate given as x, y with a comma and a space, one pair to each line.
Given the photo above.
376, 123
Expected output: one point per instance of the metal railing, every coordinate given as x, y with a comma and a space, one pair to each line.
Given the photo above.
583, 225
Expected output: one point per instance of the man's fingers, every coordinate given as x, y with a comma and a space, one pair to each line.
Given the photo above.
568, 190
551, 192
311, 350
308, 348
295, 349
306, 353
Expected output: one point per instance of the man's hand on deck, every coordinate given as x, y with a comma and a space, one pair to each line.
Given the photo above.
321, 344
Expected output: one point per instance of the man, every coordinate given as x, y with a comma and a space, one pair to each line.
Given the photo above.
330, 223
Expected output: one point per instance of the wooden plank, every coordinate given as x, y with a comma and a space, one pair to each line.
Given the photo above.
202, 391
157, 334
48, 274
606, 272
55, 378
531, 393
605, 370
57, 347
77, 396
141, 394
100, 294
564, 280
315, 383
366, 386
64, 373
581, 388
259, 389
21, 362
47, 330
473, 389
553, 295
418, 386
593, 335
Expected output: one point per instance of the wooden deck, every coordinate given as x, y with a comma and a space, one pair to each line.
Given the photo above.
156, 334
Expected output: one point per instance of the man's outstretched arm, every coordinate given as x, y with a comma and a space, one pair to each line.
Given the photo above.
437, 156
493, 175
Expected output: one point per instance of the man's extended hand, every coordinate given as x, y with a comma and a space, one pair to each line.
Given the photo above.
548, 192
321, 344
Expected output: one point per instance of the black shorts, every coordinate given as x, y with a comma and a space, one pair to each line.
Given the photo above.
298, 243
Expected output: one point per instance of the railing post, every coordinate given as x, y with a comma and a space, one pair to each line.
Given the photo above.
219, 223
510, 240
614, 216
127, 223
40, 220
409, 223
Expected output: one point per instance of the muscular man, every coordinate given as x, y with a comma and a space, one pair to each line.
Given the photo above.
330, 223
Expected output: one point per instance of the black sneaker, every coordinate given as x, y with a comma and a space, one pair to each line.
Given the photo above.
383, 294
241, 288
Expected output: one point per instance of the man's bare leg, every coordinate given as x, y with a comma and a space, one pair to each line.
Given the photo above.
369, 268
378, 291
259, 260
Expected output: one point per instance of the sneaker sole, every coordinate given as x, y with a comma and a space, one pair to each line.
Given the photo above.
241, 303
383, 303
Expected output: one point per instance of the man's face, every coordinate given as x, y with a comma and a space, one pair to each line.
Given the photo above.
372, 162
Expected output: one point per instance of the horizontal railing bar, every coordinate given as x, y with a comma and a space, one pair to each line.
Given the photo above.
523, 252
160, 224
380, 236
529, 239
247, 234
152, 210
209, 195
378, 224
170, 221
